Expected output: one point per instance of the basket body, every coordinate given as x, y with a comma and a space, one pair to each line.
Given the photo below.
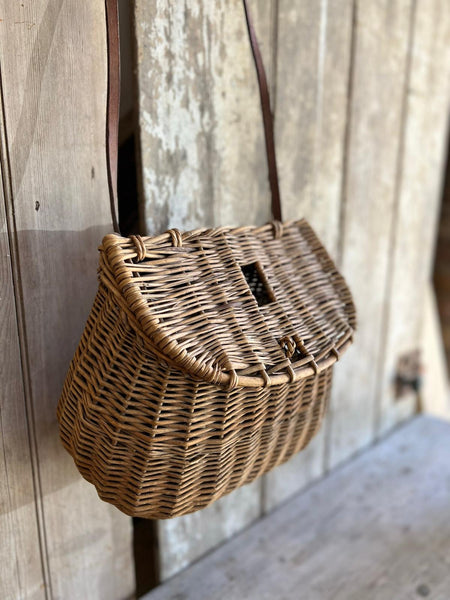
159, 441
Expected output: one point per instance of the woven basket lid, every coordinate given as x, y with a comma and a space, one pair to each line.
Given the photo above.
237, 307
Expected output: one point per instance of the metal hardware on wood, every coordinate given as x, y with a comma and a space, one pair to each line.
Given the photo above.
408, 377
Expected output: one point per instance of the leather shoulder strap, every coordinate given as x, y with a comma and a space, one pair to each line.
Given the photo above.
268, 119
113, 104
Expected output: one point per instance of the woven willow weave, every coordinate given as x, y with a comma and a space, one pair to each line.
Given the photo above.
205, 362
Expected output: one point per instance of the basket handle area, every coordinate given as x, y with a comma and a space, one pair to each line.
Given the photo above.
116, 275
113, 103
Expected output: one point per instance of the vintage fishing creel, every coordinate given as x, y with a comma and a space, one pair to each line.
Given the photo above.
205, 362
206, 359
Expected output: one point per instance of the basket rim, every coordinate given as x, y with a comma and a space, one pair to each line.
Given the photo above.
114, 272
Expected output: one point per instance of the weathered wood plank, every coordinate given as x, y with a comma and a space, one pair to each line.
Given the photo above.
311, 111
53, 60
203, 163
419, 194
201, 138
21, 569
380, 59
352, 536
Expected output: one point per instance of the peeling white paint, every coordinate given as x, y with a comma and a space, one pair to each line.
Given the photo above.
201, 136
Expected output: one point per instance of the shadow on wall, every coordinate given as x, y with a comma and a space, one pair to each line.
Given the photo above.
442, 264
58, 282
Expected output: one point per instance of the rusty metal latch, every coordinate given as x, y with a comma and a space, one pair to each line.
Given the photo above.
408, 377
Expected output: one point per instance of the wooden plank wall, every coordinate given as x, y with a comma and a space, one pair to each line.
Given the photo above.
58, 539
361, 99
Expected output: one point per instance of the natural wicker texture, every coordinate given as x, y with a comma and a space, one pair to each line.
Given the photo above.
205, 362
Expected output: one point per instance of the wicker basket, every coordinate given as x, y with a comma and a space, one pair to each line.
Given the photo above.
205, 362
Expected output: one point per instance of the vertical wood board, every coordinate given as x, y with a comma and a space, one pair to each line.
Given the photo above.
201, 137
377, 87
21, 569
53, 60
313, 60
